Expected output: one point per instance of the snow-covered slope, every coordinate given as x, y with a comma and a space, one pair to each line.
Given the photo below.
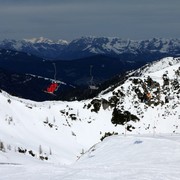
60, 132
131, 157
158, 65
117, 157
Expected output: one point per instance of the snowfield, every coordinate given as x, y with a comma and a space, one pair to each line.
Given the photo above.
117, 157
62, 140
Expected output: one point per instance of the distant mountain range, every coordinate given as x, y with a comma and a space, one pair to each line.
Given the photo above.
90, 46
106, 58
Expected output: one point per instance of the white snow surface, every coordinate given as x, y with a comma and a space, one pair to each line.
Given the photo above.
117, 157
159, 65
149, 151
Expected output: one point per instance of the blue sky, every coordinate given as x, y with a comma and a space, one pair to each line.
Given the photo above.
70, 19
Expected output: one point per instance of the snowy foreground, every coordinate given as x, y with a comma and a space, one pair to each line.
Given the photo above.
62, 140
117, 157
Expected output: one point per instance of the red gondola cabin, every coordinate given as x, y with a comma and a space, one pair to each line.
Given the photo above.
53, 87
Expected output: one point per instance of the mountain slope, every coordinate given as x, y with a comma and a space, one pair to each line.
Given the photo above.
41, 47
117, 47
20, 73
118, 157
131, 157
60, 132
125, 110
133, 50
157, 65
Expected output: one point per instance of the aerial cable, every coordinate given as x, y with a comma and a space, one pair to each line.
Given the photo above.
55, 72
91, 80
91, 70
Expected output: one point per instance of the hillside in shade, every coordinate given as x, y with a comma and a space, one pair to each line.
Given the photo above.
21, 72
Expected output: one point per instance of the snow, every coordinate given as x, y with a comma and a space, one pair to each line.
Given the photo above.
45, 40
55, 49
62, 42
117, 157
17, 46
160, 65
103, 45
149, 151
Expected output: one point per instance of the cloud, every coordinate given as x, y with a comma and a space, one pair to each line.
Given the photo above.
73, 18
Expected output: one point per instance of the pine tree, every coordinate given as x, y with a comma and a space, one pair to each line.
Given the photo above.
54, 120
40, 149
2, 148
50, 152
9, 147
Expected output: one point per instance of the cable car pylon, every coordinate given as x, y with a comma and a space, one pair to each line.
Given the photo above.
92, 85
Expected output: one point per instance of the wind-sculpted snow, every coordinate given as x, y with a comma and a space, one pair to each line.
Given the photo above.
42, 137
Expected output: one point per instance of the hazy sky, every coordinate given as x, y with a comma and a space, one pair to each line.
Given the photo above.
70, 19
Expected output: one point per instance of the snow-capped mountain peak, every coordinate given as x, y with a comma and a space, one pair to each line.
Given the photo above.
39, 40
90, 46
45, 41
63, 42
